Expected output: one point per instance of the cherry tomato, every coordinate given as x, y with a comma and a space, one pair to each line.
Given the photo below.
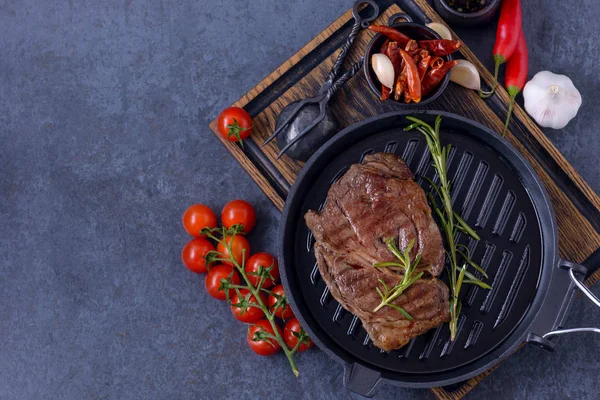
193, 254
239, 212
198, 217
251, 314
293, 328
265, 347
214, 278
238, 244
283, 311
265, 260
234, 124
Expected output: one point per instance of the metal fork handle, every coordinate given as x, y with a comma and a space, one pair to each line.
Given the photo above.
341, 81
359, 23
345, 48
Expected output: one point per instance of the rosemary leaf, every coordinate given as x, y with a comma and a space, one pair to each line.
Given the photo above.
467, 229
388, 264
459, 282
472, 263
402, 311
389, 295
477, 282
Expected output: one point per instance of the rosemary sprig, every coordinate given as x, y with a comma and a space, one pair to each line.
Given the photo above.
388, 295
450, 221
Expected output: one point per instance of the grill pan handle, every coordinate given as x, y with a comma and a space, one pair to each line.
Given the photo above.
574, 271
361, 380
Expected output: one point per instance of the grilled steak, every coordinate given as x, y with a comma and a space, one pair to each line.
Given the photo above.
373, 201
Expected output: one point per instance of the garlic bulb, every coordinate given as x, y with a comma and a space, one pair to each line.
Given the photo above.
384, 69
551, 99
440, 29
465, 74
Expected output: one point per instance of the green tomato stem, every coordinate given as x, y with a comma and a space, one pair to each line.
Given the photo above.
289, 353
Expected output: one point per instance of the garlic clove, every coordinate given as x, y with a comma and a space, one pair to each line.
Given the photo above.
383, 68
465, 74
552, 100
440, 29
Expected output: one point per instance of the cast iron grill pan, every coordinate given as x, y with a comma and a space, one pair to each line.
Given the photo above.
491, 194
491, 200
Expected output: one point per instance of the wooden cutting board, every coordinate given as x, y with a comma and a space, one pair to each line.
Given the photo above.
576, 205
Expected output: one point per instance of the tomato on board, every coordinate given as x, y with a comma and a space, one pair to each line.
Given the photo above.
198, 217
240, 249
266, 261
283, 311
291, 331
264, 347
214, 278
234, 124
251, 314
239, 212
193, 254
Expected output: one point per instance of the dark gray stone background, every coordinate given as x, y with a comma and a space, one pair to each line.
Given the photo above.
104, 107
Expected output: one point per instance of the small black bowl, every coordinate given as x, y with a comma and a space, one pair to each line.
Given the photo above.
414, 31
454, 17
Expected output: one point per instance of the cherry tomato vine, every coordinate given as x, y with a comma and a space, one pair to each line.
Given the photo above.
252, 294
248, 282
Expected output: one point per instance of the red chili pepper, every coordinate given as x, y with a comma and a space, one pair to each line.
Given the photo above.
392, 53
440, 47
412, 47
434, 76
436, 63
413, 82
507, 37
400, 85
385, 91
422, 65
517, 68
392, 33
384, 46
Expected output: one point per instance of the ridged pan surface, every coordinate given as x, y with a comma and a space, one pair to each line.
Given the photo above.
487, 191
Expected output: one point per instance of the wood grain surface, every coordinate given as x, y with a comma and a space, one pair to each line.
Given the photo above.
576, 206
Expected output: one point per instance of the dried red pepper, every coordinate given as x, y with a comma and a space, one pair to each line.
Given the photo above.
516, 75
400, 85
385, 91
392, 33
436, 63
422, 65
413, 83
435, 75
392, 53
384, 46
413, 63
440, 47
412, 47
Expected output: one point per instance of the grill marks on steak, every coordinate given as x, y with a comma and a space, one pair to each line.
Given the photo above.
373, 201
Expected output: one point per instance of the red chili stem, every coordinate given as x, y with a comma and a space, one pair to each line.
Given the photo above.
507, 38
517, 68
